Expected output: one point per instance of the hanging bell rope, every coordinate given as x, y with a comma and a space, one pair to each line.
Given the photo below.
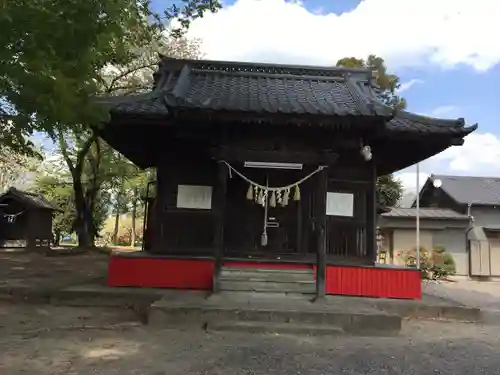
263, 237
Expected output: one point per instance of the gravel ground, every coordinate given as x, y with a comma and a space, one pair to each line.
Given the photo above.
482, 294
60, 340
40, 272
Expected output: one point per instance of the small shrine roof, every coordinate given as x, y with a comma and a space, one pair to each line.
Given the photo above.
31, 200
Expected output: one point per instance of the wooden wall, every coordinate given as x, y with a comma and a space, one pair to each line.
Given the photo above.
32, 228
180, 230
348, 237
189, 161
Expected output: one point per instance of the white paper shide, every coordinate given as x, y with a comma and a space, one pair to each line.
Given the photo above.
194, 197
340, 204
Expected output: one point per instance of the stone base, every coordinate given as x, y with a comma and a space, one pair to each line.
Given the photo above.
273, 313
266, 280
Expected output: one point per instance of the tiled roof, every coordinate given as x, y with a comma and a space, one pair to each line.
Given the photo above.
425, 213
413, 123
151, 104
465, 189
261, 89
271, 89
32, 200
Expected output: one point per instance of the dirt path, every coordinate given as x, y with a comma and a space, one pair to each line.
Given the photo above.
59, 340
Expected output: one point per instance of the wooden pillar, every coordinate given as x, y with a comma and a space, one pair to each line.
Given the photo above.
320, 209
371, 217
219, 212
155, 225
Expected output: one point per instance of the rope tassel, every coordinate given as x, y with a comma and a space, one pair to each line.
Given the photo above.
250, 193
272, 201
286, 198
263, 239
296, 195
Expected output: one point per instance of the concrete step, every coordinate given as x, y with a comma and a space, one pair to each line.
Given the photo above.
271, 277
308, 271
276, 328
267, 280
268, 286
261, 313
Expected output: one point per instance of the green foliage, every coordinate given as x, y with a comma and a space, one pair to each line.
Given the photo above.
434, 264
443, 264
187, 11
107, 175
61, 195
439, 249
124, 235
16, 169
53, 53
56, 56
388, 83
389, 190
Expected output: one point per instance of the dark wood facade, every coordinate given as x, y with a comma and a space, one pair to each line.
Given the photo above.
204, 116
25, 220
293, 230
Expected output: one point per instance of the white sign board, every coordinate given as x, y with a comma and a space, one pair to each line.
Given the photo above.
340, 204
192, 196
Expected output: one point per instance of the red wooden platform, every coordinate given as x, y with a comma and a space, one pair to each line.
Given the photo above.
161, 272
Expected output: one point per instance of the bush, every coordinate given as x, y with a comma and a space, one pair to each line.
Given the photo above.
434, 264
443, 265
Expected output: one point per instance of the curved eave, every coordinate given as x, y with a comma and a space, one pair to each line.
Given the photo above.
431, 120
406, 122
410, 138
149, 104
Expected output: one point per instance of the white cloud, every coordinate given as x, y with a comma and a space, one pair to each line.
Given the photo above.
445, 32
407, 85
479, 156
445, 111
409, 180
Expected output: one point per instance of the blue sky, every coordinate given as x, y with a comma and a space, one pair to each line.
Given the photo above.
446, 53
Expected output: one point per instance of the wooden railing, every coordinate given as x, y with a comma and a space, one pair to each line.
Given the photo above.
346, 239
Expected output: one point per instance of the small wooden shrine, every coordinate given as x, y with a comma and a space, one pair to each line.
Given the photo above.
264, 164
25, 220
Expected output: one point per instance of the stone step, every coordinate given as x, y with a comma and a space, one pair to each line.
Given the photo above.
260, 316
258, 278
308, 271
267, 280
275, 328
268, 286
269, 277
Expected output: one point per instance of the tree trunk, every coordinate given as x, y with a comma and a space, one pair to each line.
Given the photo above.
117, 218
83, 220
134, 214
57, 238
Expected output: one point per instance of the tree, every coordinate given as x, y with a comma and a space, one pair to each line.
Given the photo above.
389, 189
15, 169
135, 188
86, 156
53, 52
388, 83
60, 193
